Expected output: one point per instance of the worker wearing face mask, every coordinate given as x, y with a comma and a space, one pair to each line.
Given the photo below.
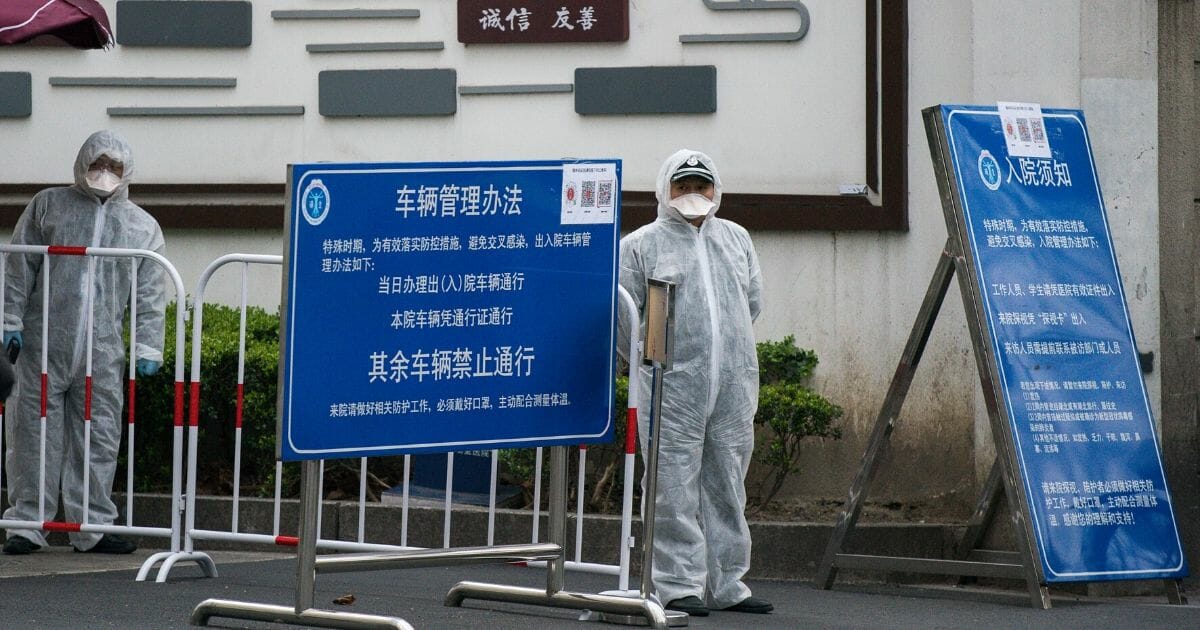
710, 394
94, 212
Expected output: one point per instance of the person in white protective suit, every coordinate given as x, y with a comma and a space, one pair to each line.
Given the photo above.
710, 394
94, 212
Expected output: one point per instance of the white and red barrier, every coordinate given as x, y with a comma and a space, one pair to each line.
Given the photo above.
193, 534
631, 433
174, 529
234, 533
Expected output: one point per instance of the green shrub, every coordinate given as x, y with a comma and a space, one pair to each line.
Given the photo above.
217, 415
789, 411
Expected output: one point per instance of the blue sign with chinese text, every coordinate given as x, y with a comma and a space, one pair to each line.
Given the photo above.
1057, 322
448, 306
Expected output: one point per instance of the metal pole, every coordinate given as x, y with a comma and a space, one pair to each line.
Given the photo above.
306, 550
558, 518
651, 485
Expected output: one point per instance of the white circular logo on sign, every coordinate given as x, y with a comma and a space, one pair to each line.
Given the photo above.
989, 170
315, 202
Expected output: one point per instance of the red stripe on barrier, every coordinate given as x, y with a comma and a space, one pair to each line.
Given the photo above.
45, 384
178, 403
132, 400
288, 541
53, 526
583, 447
238, 422
66, 250
87, 399
194, 420
631, 431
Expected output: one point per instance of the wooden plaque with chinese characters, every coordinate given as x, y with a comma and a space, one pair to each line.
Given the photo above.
524, 22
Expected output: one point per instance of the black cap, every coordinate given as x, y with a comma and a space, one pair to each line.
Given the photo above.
692, 167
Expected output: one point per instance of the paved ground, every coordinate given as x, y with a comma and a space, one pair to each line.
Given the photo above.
56, 588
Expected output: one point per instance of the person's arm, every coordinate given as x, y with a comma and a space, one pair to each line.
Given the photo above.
633, 279
151, 304
21, 271
754, 293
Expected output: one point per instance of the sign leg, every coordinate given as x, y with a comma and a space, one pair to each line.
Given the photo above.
558, 518
1005, 457
1175, 594
985, 512
306, 551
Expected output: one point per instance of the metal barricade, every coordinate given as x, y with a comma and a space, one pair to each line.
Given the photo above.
626, 542
621, 569
233, 534
172, 531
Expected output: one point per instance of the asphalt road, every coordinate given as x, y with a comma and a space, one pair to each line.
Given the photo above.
56, 588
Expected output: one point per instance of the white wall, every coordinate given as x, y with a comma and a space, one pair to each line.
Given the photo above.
776, 102
789, 115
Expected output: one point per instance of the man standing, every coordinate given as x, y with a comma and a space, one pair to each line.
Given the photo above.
94, 212
710, 394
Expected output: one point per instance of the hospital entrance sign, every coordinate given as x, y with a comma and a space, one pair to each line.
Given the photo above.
1057, 332
447, 306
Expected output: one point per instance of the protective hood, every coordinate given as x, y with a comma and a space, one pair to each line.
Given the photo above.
663, 184
108, 143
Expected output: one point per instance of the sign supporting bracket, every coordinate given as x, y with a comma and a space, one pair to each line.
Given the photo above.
1018, 565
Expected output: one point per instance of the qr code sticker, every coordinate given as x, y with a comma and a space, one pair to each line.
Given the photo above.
604, 195
1039, 134
1023, 129
589, 194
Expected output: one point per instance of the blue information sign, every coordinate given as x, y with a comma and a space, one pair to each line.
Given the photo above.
449, 306
1057, 323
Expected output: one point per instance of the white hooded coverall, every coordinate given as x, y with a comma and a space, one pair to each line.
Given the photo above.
74, 216
710, 394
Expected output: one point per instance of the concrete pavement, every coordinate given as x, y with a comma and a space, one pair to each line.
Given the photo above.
56, 588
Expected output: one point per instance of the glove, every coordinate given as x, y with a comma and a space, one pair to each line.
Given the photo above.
147, 367
12, 345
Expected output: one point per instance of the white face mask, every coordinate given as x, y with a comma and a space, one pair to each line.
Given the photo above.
692, 205
102, 182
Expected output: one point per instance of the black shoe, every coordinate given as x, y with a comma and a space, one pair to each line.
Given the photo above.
691, 605
755, 605
111, 543
20, 546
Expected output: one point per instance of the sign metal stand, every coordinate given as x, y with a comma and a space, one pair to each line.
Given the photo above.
657, 347
658, 353
1012, 474
462, 229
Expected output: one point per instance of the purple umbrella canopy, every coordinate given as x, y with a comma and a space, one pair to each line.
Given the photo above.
78, 23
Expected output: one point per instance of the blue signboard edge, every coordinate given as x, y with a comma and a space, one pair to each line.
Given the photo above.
947, 112
285, 448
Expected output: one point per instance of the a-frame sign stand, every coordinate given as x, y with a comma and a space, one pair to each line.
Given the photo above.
1019, 564
1008, 476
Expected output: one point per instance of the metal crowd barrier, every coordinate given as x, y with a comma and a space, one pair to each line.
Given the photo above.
233, 534
630, 458
174, 530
